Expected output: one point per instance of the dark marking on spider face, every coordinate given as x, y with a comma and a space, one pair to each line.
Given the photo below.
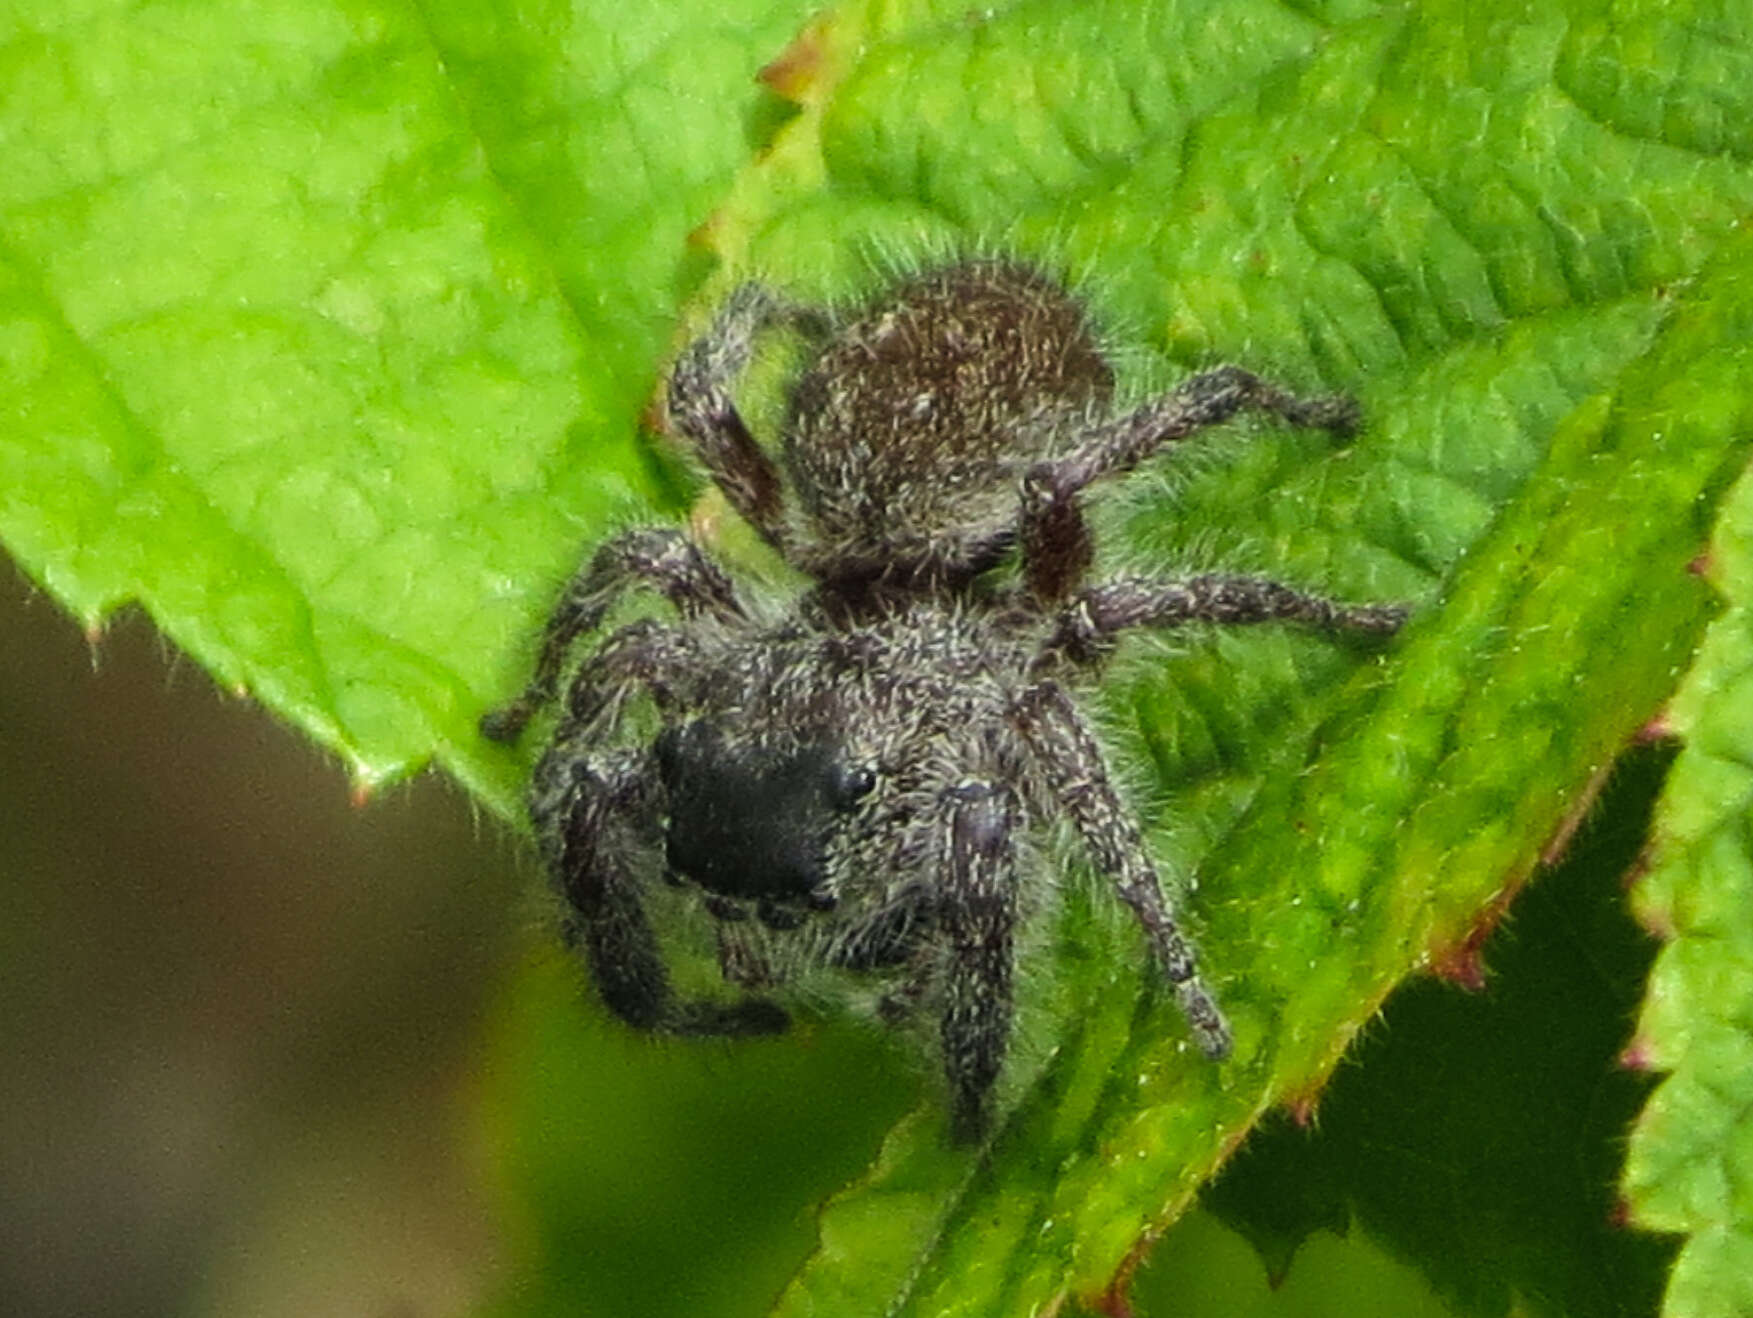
752, 823
955, 421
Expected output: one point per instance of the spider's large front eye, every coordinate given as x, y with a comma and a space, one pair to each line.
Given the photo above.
850, 784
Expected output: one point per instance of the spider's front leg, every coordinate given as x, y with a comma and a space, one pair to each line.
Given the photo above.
1072, 763
598, 816
1055, 540
977, 918
661, 558
699, 404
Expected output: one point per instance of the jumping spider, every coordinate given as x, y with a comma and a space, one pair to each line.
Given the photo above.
860, 773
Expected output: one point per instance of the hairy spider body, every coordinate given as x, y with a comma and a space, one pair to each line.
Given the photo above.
853, 784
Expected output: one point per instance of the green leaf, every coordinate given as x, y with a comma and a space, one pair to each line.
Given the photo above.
324, 328
324, 331
1479, 1134
1690, 1165
1486, 252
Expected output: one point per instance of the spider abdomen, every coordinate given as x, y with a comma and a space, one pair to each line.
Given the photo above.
908, 434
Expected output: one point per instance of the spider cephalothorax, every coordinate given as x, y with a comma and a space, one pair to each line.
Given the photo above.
852, 784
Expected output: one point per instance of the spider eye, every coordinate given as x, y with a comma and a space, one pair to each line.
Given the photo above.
850, 783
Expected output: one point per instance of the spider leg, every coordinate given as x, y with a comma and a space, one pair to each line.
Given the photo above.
1075, 770
643, 655
1100, 613
661, 558
599, 812
700, 406
976, 918
1057, 547
1208, 399
1055, 540
596, 814
586, 812
739, 962
891, 936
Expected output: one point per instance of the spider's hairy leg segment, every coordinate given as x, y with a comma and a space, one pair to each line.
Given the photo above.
661, 558
701, 408
1057, 547
584, 811
643, 655
1072, 762
1206, 400
1102, 612
977, 911
890, 936
739, 962
591, 814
